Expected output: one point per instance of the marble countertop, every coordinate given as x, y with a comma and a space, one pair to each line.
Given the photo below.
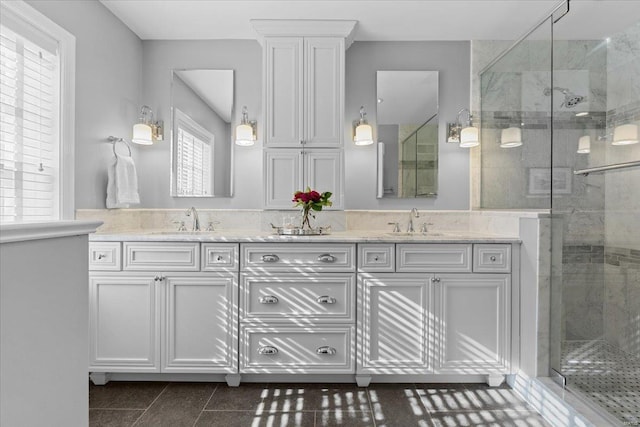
253, 236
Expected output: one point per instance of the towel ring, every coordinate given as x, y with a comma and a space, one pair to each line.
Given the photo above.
114, 140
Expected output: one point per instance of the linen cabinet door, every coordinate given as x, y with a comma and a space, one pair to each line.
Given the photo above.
283, 177
393, 323
284, 91
200, 324
324, 91
323, 172
124, 323
472, 316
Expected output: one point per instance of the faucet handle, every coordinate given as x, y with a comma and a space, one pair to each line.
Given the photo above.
181, 227
423, 227
210, 227
396, 226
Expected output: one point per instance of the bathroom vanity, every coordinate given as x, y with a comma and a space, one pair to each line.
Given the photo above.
343, 307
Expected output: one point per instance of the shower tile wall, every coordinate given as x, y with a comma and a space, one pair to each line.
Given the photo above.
622, 222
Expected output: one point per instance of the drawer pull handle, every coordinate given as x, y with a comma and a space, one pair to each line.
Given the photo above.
270, 258
325, 299
269, 299
267, 349
158, 278
327, 258
102, 256
493, 258
326, 350
219, 258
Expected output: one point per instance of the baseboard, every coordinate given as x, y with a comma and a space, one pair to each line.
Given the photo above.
558, 406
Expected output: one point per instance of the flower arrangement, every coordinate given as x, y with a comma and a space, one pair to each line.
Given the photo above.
310, 201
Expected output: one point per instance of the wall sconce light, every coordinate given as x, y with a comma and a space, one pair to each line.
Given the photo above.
466, 135
625, 135
246, 133
511, 137
147, 130
363, 133
584, 144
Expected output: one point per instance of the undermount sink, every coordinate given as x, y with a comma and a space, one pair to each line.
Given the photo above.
414, 234
185, 233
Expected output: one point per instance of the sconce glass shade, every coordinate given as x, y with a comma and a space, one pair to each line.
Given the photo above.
364, 134
244, 135
511, 137
142, 134
469, 137
625, 134
584, 144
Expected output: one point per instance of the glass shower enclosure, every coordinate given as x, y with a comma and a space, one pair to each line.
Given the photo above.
560, 113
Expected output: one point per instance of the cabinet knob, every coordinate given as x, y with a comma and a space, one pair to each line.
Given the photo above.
302, 141
270, 258
101, 256
327, 258
324, 299
158, 278
325, 349
219, 258
493, 258
435, 279
376, 258
267, 349
268, 299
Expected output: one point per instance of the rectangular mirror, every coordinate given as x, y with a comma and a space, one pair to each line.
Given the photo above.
407, 121
201, 133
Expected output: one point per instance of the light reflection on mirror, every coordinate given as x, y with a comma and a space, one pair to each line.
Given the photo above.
407, 122
201, 136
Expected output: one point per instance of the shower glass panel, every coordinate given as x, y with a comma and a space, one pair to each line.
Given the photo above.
418, 163
595, 302
517, 175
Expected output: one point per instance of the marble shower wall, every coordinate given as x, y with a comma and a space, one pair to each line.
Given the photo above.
622, 220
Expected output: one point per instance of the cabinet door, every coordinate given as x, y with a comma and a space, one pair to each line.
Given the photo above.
323, 172
283, 176
472, 323
283, 91
393, 323
323, 91
124, 323
200, 325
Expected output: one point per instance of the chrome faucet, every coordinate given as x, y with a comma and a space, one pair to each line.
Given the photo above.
196, 220
414, 213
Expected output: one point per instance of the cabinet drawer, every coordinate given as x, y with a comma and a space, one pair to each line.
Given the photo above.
292, 257
433, 258
378, 258
327, 297
161, 256
318, 349
219, 256
105, 256
491, 258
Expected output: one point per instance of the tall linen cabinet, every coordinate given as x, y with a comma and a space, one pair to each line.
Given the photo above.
303, 81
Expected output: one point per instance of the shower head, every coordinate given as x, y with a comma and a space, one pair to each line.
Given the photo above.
570, 98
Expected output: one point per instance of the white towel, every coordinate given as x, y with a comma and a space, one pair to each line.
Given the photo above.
122, 183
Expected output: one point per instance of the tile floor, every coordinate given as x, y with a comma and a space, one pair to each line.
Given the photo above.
278, 405
605, 375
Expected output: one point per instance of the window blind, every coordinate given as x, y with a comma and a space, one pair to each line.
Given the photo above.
193, 168
29, 114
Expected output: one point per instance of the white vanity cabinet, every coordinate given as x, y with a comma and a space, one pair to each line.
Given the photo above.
304, 91
290, 170
434, 315
162, 314
297, 308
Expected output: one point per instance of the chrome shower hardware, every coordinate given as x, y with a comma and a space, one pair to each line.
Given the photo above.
570, 98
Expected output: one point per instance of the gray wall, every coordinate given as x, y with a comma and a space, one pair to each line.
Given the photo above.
108, 71
452, 60
159, 59
117, 73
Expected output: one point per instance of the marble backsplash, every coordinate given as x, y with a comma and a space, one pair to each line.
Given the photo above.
505, 223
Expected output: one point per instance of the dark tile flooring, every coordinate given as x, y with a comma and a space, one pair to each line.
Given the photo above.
279, 405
